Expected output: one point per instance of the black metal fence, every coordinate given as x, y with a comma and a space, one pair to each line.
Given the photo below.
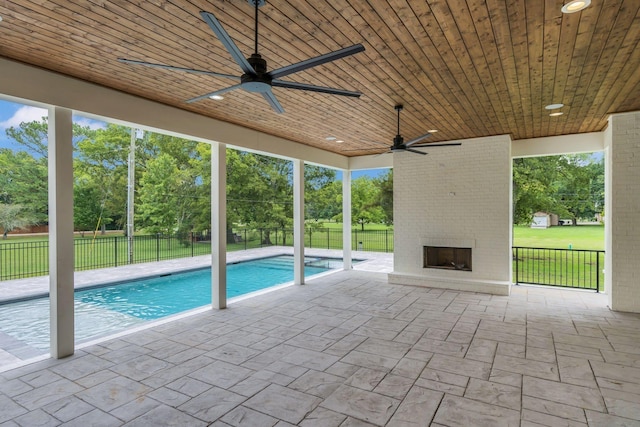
571, 268
31, 258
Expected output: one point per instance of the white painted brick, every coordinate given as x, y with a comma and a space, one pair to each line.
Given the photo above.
479, 174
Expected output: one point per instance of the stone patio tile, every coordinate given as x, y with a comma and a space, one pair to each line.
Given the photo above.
14, 387
616, 372
321, 417
9, 409
221, 374
511, 350
417, 409
599, 419
620, 358
541, 354
371, 361
95, 418
553, 408
37, 418
366, 378
392, 349
441, 347
394, 386
353, 422
113, 393
95, 379
67, 408
459, 411
232, 353
310, 359
527, 367
582, 341
482, 350
538, 418
141, 367
568, 394
40, 378
310, 342
409, 368
189, 386
165, 416
44, 395
320, 384
623, 404
283, 403
212, 404
456, 365
344, 370
364, 405
576, 371
504, 377
494, 393
79, 367
168, 396
242, 416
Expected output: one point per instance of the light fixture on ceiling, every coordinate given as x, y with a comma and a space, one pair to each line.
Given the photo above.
554, 106
331, 138
217, 97
432, 130
556, 114
575, 6
339, 141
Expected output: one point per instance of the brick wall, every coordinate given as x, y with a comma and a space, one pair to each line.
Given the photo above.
457, 195
623, 243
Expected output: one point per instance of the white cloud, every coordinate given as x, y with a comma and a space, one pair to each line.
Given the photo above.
92, 124
24, 114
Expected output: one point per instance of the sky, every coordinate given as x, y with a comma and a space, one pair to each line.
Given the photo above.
12, 114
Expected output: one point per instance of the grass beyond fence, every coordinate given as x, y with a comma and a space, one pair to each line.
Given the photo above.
29, 257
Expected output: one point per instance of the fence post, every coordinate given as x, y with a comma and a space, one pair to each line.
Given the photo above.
328, 244
356, 241
245, 239
517, 277
157, 246
386, 240
598, 272
115, 250
192, 243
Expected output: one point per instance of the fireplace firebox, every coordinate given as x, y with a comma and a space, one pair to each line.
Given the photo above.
447, 258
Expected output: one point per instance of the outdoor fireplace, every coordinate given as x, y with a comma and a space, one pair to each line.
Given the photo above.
447, 258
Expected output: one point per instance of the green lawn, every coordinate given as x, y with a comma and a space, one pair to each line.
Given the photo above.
579, 237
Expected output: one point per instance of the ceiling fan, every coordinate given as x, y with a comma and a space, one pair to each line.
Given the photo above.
400, 145
255, 77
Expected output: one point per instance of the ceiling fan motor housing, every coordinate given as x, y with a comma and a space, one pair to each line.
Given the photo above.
259, 82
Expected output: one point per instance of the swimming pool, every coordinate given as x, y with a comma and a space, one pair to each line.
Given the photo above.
108, 309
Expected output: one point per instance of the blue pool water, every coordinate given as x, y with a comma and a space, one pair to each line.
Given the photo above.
109, 309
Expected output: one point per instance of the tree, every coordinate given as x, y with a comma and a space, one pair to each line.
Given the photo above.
533, 188
385, 197
23, 181
158, 208
323, 194
365, 207
580, 187
12, 217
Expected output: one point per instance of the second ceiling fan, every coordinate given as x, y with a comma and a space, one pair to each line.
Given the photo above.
255, 77
399, 144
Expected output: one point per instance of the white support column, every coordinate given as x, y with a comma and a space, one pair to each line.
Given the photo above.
218, 226
61, 258
298, 222
346, 219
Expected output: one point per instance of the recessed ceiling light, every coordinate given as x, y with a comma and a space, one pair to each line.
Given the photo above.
575, 6
331, 138
339, 141
432, 130
554, 106
559, 113
217, 97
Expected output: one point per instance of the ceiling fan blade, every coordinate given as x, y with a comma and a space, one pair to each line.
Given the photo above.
418, 139
171, 67
273, 101
220, 32
217, 92
318, 60
313, 88
415, 151
445, 144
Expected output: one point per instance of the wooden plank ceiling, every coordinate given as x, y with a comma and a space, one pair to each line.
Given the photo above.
468, 68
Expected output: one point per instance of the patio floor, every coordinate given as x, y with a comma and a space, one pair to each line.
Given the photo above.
349, 349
